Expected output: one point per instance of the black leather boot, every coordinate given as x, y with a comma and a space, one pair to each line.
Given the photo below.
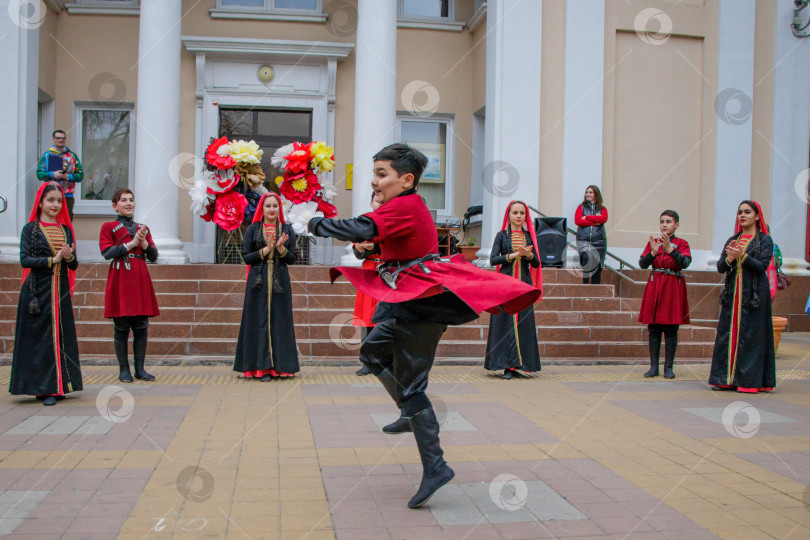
400, 425
655, 352
120, 342
670, 346
139, 354
435, 471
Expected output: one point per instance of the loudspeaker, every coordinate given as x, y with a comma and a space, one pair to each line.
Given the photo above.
551, 240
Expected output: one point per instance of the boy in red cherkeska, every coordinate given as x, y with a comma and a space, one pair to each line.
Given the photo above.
665, 306
130, 297
419, 294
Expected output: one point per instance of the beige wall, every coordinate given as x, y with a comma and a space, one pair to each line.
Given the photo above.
659, 123
658, 101
47, 53
552, 107
763, 104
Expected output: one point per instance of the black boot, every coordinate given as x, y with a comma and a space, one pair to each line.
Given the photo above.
120, 342
435, 471
401, 425
655, 352
139, 354
363, 371
670, 346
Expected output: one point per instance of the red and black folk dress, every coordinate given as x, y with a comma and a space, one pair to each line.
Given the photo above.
452, 292
512, 339
266, 343
744, 356
129, 292
45, 361
665, 300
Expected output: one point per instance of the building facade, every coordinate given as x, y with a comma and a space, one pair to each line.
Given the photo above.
692, 105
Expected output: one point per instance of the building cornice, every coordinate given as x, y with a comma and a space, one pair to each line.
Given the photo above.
224, 46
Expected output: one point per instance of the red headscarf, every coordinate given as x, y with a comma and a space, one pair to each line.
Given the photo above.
258, 215
535, 273
63, 218
763, 227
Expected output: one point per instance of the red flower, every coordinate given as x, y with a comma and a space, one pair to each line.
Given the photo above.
214, 159
329, 210
230, 210
209, 211
298, 159
300, 187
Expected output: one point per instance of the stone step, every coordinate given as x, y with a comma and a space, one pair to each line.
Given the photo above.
345, 332
221, 300
316, 348
213, 286
233, 272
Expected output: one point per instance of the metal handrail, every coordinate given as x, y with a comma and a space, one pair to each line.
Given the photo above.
622, 262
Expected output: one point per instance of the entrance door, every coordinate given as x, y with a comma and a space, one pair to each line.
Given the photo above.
271, 129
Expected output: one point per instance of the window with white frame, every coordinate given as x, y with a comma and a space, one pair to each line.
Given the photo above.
428, 9
272, 5
433, 137
105, 149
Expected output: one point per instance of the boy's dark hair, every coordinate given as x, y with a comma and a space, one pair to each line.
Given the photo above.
673, 214
119, 193
404, 160
58, 131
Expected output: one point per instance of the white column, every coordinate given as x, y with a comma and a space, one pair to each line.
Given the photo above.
374, 97
791, 139
158, 125
512, 123
734, 108
19, 56
584, 94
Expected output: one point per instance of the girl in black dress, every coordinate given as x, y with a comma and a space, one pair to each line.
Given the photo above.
512, 340
45, 362
266, 348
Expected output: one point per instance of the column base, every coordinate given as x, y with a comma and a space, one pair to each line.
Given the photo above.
795, 267
171, 252
10, 250
348, 258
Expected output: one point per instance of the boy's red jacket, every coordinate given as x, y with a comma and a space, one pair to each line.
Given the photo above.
665, 300
404, 230
129, 291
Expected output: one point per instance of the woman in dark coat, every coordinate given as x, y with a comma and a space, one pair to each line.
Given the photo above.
590, 218
743, 357
266, 348
45, 362
512, 340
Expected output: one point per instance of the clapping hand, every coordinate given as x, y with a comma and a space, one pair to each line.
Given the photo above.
733, 251
140, 236
66, 252
364, 246
525, 251
281, 241
665, 242
655, 245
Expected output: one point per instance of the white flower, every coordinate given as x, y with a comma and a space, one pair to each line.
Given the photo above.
224, 150
300, 214
329, 192
212, 179
199, 197
245, 151
286, 206
278, 157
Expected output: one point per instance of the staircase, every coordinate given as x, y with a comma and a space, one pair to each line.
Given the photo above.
201, 308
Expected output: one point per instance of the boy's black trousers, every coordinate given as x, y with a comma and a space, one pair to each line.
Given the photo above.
407, 349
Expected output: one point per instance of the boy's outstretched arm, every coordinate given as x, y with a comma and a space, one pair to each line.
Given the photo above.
359, 229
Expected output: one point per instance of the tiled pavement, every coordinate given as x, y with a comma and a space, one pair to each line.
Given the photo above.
575, 452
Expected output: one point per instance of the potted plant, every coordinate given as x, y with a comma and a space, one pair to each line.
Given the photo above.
469, 248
